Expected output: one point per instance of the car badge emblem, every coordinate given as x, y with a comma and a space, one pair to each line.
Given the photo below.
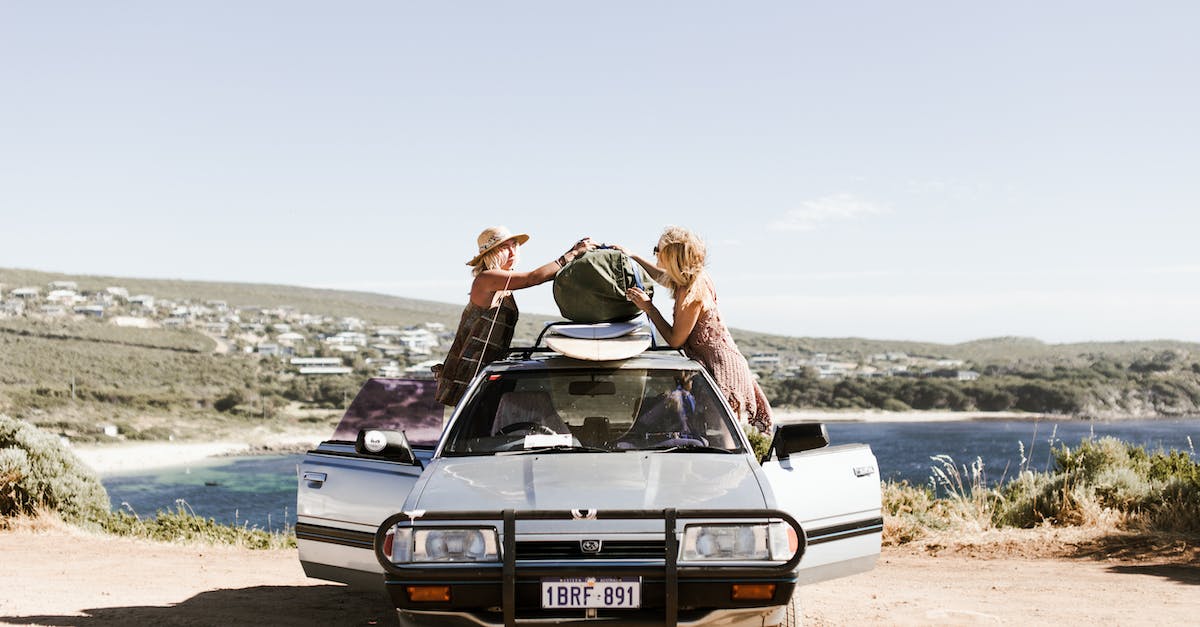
589, 546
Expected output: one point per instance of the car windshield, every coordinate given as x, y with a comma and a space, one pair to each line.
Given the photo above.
590, 410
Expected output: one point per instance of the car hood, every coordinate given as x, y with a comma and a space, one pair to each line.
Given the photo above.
592, 481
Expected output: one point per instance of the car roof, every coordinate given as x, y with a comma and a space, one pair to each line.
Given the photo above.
545, 359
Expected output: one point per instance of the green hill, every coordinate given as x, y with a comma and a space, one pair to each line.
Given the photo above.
394, 310
77, 376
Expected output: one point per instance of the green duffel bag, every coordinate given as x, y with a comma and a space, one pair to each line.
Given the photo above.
591, 288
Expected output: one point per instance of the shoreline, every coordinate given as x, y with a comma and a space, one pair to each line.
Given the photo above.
126, 457
880, 415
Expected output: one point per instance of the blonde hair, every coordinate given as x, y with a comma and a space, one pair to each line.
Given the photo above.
489, 261
681, 255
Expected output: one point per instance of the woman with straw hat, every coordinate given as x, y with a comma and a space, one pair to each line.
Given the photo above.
486, 328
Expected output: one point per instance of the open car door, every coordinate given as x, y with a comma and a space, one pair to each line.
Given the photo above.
834, 492
362, 475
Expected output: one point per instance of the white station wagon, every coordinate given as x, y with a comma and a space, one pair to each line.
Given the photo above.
568, 491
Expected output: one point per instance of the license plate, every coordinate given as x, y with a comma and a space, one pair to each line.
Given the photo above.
623, 592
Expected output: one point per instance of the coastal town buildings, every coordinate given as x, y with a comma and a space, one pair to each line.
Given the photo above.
348, 343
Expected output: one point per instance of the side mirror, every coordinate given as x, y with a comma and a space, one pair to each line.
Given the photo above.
799, 437
386, 444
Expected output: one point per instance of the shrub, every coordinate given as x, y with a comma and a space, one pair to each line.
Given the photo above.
909, 512
229, 401
759, 442
1028, 500
1107, 480
183, 525
36, 470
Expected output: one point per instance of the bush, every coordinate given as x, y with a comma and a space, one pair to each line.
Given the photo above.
229, 401
1100, 482
759, 442
909, 512
1029, 500
37, 471
183, 525
1107, 479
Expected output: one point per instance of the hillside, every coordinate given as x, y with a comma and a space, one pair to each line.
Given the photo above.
395, 310
78, 374
379, 308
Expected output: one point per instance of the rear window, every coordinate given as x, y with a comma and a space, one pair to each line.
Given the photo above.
406, 405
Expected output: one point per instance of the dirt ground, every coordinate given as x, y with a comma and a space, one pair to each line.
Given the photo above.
51, 574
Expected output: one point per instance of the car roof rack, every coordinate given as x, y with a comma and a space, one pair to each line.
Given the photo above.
527, 352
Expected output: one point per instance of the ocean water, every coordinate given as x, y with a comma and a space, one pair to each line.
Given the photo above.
260, 491
255, 491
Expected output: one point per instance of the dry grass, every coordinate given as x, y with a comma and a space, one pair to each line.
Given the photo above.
42, 520
1094, 542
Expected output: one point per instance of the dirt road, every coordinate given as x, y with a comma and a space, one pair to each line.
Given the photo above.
61, 576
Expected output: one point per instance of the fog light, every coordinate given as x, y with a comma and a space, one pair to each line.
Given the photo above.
752, 591
428, 593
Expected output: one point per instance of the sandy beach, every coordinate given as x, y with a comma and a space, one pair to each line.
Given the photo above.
120, 457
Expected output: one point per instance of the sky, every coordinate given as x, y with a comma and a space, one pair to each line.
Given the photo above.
929, 171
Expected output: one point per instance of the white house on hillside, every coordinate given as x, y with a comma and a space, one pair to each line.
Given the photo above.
290, 338
62, 297
418, 341
95, 311
145, 300
136, 322
348, 338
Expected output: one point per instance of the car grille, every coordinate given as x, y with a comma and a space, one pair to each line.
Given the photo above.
609, 549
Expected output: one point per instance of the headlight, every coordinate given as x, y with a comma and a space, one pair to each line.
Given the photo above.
444, 545
733, 542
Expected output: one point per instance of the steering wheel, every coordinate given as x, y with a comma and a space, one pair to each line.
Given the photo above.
528, 426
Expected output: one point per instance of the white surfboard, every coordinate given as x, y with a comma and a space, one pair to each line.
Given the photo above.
609, 349
598, 330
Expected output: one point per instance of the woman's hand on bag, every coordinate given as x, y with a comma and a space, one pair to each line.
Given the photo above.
638, 298
580, 247
583, 246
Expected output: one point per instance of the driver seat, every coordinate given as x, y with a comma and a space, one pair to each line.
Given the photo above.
528, 406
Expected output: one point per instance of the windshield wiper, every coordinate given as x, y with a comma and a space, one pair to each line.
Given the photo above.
557, 448
698, 448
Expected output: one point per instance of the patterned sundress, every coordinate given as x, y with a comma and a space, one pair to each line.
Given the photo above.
711, 344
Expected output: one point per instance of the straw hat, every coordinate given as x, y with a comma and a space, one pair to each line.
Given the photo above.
492, 237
